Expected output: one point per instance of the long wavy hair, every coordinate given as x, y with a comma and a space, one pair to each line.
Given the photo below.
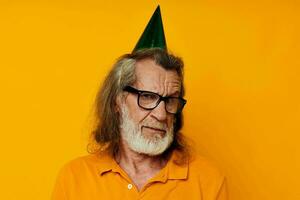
106, 133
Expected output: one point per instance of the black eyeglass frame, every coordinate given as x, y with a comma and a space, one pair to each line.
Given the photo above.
161, 98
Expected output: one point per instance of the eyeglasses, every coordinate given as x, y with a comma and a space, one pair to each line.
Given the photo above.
150, 100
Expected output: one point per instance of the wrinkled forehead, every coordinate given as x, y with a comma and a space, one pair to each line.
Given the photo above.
153, 77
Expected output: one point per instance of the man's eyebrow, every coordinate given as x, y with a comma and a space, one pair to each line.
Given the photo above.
174, 94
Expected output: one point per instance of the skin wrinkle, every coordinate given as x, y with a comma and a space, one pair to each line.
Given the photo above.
174, 84
171, 84
170, 81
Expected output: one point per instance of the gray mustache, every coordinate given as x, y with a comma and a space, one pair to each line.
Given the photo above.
155, 125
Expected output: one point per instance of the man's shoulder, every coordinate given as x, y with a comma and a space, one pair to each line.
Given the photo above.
82, 160
204, 167
198, 160
86, 163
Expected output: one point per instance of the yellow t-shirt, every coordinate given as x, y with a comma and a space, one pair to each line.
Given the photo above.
95, 177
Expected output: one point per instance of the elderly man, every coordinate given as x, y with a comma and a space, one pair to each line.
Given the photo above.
141, 152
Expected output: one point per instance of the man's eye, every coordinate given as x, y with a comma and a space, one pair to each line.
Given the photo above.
149, 96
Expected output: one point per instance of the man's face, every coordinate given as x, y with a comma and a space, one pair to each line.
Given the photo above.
142, 127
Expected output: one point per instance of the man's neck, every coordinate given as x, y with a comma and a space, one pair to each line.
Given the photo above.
139, 167
138, 163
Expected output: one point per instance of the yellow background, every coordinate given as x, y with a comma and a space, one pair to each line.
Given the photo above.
242, 78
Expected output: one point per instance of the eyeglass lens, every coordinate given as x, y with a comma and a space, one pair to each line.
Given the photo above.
150, 101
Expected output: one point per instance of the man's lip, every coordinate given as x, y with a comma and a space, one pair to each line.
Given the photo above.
156, 129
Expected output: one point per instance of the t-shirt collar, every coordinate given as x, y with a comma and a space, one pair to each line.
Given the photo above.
170, 171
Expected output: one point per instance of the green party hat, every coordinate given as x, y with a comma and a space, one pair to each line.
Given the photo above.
153, 35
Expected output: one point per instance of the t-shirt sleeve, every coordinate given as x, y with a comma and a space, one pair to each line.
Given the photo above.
59, 190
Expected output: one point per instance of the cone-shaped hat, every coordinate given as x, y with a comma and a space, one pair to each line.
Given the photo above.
153, 35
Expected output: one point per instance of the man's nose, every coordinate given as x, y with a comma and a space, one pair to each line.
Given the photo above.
160, 112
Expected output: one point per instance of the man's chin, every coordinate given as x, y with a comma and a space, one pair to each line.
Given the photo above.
151, 147
151, 153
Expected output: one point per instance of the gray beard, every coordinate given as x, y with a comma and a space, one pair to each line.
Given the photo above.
132, 134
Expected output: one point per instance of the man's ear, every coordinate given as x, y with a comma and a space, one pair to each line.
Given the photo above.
118, 103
